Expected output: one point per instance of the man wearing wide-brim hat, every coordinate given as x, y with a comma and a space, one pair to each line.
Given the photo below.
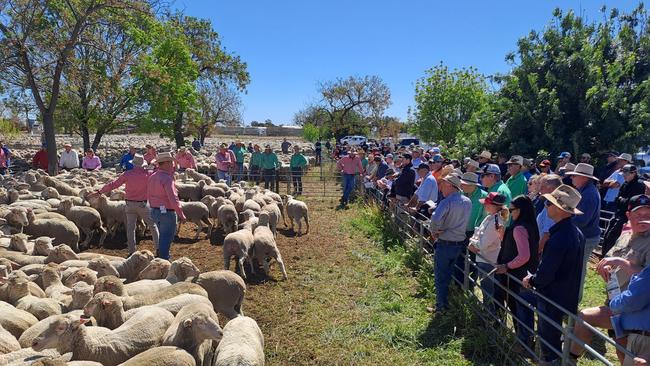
583, 179
484, 158
69, 158
517, 182
558, 274
614, 182
447, 227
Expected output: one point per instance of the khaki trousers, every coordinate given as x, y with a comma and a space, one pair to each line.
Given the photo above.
134, 211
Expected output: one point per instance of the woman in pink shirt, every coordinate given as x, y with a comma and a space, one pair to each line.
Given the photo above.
224, 162
91, 161
150, 154
163, 201
184, 159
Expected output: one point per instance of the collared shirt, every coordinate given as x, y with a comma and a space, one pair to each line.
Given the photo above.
381, 170
186, 160
428, 190
136, 181
404, 185
635, 247
517, 185
91, 163
502, 188
149, 156
632, 306
611, 194
544, 222
69, 159
239, 153
589, 204
256, 159
298, 161
451, 217
350, 165
161, 191
487, 239
559, 273
478, 210
269, 161
223, 161
126, 163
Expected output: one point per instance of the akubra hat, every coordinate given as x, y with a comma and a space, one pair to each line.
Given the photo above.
584, 170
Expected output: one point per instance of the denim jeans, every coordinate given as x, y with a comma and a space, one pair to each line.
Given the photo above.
239, 171
166, 223
590, 245
269, 179
546, 330
348, 186
223, 175
487, 284
444, 259
296, 179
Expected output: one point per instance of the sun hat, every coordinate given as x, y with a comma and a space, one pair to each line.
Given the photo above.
566, 198
494, 198
569, 167
625, 156
164, 157
453, 179
138, 160
584, 170
637, 202
469, 178
491, 169
486, 155
516, 159
472, 162
564, 154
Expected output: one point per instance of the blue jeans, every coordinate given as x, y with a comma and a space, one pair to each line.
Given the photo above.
348, 186
546, 330
487, 285
166, 223
444, 259
223, 175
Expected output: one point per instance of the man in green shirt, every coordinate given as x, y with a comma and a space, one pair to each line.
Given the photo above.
269, 162
239, 150
517, 182
491, 179
298, 164
254, 164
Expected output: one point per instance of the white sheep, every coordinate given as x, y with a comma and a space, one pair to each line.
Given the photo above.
15, 321
162, 356
52, 284
225, 290
87, 219
41, 308
63, 231
242, 344
194, 328
296, 211
82, 274
274, 216
113, 213
227, 217
110, 284
9, 343
265, 247
60, 253
32, 332
50, 192
26, 357
61, 187
240, 245
132, 266
109, 347
81, 293
154, 297
157, 269
199, 214
102, 266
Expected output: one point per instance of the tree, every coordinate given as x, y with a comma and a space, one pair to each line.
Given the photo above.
218, 105
388, 126
38, 39
445, 101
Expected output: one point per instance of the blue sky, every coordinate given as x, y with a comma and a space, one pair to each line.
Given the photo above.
291, 45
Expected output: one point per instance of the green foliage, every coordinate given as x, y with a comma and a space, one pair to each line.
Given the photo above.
8, 128
314, 133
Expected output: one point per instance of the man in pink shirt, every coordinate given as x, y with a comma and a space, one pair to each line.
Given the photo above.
225, 161
150, 154
136, 181
184, 159
91, 161
349, 165
163, 200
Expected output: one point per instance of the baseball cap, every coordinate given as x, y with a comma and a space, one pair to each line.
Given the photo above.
423, 166
637, 202
436, 159
516, 159
564, 154
435, 150
545, 163
494, 198
491, 169
407, 156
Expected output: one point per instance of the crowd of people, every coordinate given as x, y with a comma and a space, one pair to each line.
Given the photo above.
537, 222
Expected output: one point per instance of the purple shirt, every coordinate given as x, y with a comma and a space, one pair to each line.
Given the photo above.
91, 163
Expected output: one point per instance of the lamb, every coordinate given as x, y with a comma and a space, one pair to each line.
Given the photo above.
82, 274
15, 216
199, 214
154, 297
157, 269
25, 339
64, 231
15, 321
225, 290
19, 294
193, 329
110, 284
60, 254
20, 243
108, 347
103, 267
238, 244
131, 267
198, 177
297, 210
6, 293
248, 220
43, 246
242, 344
249, 204
87, 219
227, 217
113, 213
145, 286
8, 342
81, 294
162, 356
26, 357
52, 284
265, 248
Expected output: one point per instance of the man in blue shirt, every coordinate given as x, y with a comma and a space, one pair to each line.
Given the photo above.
427, 191
558, 274
196, 144
125, 163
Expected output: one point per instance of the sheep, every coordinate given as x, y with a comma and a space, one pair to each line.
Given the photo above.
26, 338
198, 177
5, 291
8, 342
26, 357
132, 266
21, 259
162, 356
162, 270
19, 294
274, 216
87, 256
49, 215
199, 214
225, 290
52, 284
87, 219
193, 329
15, 216
248, 220
81, 293
242, 344
227, 217
188, 191
110, 284
211, 190
265, 248
103, 267
113, 213
19, 242
50, 192
60, 254
61, 361
43, 246
154, 297
82, 274
145, 286
61, 187
109, 347
238, 244
297, 210
15, 321
249, 204
63, 231
157, 269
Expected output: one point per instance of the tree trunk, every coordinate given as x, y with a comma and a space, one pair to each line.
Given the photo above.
178, 129
85, 135
50, 140
98, 138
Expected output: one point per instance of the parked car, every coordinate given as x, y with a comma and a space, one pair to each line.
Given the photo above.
643, 155
409, 141
353, 140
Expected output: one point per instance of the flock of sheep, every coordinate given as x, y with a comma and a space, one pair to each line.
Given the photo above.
61, 306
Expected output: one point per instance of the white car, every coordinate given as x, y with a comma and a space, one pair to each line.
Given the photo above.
353, 140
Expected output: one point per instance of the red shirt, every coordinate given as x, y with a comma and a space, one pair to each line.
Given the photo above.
185, 161
149, 156
349, 165
40, 160
161, 191
224, 161
136, 181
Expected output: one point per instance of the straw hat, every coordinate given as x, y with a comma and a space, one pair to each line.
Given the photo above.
566, 198
486, 155
584, 170
163, 157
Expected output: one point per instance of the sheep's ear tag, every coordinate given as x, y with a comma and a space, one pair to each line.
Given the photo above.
187, 323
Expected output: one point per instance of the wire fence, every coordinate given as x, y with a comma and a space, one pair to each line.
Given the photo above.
413, 230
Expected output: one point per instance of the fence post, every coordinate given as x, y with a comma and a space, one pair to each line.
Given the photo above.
465, 271
421, 241
566, 346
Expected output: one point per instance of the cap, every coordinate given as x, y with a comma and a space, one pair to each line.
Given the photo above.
545, 163
407, 156
423, 166
436, 159
469, 178
612, 153
491, 169
494, 198
638, 201
472, 162
564, 154
628, 168
435, 150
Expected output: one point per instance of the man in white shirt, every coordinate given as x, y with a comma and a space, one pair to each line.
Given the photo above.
69, 158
